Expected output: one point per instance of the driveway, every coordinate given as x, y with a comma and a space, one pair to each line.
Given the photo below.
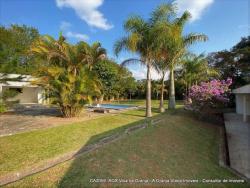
238, 135
32, 117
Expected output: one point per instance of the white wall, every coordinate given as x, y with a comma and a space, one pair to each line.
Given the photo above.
28, 95
239, 103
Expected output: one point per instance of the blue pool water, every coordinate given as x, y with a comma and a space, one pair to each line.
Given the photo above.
115, 106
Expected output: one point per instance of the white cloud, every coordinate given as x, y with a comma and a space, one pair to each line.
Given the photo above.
141, 73
78, 36
195, 7
65, 28
88, 11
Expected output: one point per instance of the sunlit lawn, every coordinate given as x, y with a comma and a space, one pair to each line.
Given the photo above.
180, 147
31, 148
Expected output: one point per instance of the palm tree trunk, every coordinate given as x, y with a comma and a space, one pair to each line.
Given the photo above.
161, 107
148, 93
171, 102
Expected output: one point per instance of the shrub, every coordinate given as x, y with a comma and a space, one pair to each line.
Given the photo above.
2, 107
209, 95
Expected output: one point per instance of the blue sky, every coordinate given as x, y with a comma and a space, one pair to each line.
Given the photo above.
223, 21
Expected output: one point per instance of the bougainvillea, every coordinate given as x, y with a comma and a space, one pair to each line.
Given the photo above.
209, 95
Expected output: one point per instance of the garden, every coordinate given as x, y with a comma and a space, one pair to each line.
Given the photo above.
167, 136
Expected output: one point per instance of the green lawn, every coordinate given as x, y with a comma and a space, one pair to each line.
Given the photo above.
31, 148
155, 103
180, 147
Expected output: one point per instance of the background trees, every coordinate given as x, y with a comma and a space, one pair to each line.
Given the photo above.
195, 69
15, 41
116, 81
234, 63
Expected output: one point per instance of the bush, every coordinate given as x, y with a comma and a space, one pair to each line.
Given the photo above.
209, 96
2, 107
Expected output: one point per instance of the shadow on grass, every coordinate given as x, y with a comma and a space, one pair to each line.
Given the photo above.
37, 110
79, 176
154, 110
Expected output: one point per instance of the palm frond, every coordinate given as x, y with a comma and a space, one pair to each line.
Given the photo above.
135, 24
163, 12
120, 45
130, 61
194, 37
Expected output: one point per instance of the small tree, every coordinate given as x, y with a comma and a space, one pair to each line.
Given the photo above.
65, 71
209, 95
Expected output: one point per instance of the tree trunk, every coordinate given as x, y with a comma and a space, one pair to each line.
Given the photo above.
148, 93
171, 102
118, 98
161, 107
101, 98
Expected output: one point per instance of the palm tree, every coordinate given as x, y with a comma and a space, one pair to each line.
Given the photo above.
174, 45
195, 69
65, 72
141, 40
161, 67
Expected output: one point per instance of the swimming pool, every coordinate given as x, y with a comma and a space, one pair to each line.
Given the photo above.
115, 106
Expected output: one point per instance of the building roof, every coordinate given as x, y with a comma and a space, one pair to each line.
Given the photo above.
16, 80
16, 77
242, 90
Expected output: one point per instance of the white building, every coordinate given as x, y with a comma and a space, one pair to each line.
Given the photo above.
28, 93
243, 101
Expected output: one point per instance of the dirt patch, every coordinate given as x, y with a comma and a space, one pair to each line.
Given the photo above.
30, 118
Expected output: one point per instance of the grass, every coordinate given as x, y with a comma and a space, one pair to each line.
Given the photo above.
32, 148
181, 147
155, 103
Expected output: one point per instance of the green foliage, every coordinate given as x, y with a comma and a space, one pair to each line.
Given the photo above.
15, 42
5, 99
171, 45
107, 72
142, 38
65, 72
195, 69
115, 80
2, 107
234, 63
9, 93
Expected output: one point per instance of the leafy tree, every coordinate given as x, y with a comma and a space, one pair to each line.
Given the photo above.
15, 42
141, 39
141, 88
209, 95
126, 84
115, 80
107, 71
234, 63
65, 72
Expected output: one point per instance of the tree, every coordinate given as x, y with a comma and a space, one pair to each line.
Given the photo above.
107, 72
209, 95
141, 39
234, 63
194, 70
15, 42
65, 72
173, 46
162, 68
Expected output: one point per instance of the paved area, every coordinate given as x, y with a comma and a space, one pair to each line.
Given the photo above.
238, 135
32, 117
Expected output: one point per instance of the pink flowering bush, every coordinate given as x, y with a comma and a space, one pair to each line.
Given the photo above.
209, 95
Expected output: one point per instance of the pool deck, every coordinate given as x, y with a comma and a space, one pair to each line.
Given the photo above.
238, 136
